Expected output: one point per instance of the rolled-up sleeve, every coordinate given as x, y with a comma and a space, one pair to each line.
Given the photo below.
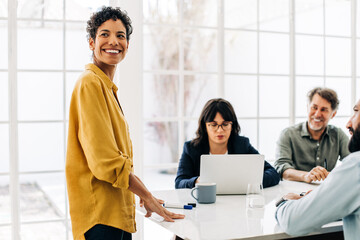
96, 136
283, 153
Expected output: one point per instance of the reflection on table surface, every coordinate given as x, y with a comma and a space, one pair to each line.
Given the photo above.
229, 218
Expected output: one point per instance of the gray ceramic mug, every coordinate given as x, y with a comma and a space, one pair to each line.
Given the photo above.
206, 192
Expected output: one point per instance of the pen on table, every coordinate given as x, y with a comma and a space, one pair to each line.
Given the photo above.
325, 164
177, 205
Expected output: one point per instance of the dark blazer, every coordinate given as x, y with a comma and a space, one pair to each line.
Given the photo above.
189, 165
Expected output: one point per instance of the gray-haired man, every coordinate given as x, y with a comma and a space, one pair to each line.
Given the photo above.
336, 198
308, 151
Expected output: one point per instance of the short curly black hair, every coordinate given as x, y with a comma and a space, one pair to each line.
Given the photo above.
106, 13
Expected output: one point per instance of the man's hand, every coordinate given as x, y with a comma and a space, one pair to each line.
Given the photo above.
316, 174
154, 205
294, 196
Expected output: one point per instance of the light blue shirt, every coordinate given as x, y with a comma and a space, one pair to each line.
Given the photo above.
337, 197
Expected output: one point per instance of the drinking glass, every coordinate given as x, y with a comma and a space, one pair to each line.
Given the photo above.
255, 196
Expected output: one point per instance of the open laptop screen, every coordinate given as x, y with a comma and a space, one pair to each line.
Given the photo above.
232, 172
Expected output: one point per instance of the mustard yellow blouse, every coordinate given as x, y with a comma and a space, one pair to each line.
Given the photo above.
99, 157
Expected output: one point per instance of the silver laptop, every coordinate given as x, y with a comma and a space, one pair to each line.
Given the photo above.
232, 172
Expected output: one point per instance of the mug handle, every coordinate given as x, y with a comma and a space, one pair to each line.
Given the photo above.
192, 190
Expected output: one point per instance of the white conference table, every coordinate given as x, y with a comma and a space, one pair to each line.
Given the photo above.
229, 218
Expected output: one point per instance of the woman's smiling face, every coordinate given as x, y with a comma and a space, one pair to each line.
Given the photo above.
110, 44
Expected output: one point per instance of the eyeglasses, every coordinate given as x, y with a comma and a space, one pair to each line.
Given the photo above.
213, 126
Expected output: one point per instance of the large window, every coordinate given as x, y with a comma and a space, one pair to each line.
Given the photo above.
261, 55
49, 38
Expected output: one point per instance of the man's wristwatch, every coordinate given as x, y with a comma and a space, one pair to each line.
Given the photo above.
280, 201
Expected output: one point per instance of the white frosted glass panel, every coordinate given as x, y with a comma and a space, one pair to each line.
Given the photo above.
161, 11
309, 55
5, 206
302, 87
3, 13
77, 49
4, 149
56, 230
42, 196
190, 129
341, 123
161, 48
300, 120
338, 17
358, 19
4, 44
4, 97
200, 50
274, 53
206, 17
358, 54
269, 132
4, 181
71, 79
309, 16
342, 86
274, 15
66, 133
198, 89
40, 46
240, 14
160, 143
160, 95
5, 231
274, 96
241, 92
240, 52
41, 146
249, 130
40, 9
82, 9
338, 56
40, 96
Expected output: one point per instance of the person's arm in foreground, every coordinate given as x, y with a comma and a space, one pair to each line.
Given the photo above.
150, 203
335, 198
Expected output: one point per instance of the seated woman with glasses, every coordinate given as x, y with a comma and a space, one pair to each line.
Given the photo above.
217, 133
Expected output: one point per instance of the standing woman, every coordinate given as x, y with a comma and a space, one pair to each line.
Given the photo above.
99, 160
217, 133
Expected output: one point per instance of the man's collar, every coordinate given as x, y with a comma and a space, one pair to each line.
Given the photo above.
305, 132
